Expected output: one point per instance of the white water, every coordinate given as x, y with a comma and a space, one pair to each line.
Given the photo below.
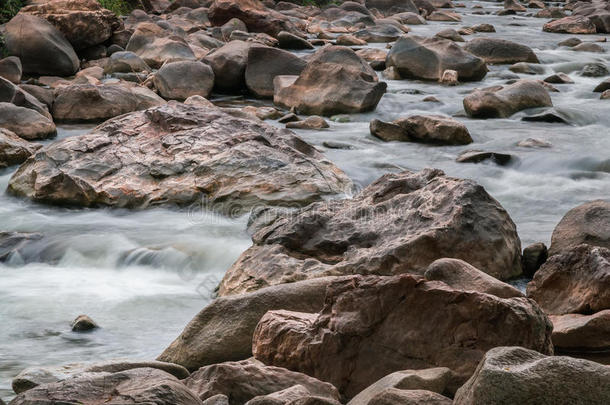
143, 301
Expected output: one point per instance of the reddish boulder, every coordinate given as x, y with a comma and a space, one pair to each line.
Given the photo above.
585, 336
253, 13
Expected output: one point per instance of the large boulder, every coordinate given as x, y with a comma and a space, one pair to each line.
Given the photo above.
180, 80
500, 51
222, 331
427, 59
516, 375
155, 45
242, 381
400, 223
13, 149
583, 335
135, 386
374, 325
42, 49
90, 102
574, 24
389, 7
504, 101
577, 280
253, 13
335, 81
229, 65
84, 23
588, 223
25, 123
11, 69
264, 64
179, 154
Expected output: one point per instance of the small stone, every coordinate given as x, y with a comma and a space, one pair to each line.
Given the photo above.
11, 69
312, 122
83, 324
603, 86
605, 95
391, 73
450, 78
337, 145
341, 118
388, 131
589, 47
570, 42
533, 257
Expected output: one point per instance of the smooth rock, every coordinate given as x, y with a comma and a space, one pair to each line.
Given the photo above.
313, 122
478, 156
264, 64
229, 65
583, 335
573, 24
393, 396
125, 62
504, 101
253, 13
288, 40
25, 123
83, 323
587, 223
13, 149
11, 69
156, 45
500, 51
533, 257
180, 80
435, 129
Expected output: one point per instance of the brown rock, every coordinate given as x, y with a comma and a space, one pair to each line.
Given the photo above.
313, 122
500, 51
25, 123
396, 323
435, 129
229, 65
388, 131
156, 45
534, 256
393, 396
583, 335
180, 80
264, 64
450, 77
588, 223
574, 24
83, 323
253, 13
11, 69
13, 149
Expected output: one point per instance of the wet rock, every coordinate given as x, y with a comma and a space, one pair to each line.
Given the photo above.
527, 68
288, 40
264, 64
435, 129
577, 280
253, 13
156, 45
14, 150
12, 243
313, 122
478, 156
533, 143
125, 62
41, 48
174, 155
450, 78
460, 275
500, 51
25, 123
83, 323
442, 15
504, 101
388, 131
229, 65
11, 69
514, 5
362, 324
570, 42
222, 331
83, 23
605, 95
429, 379
410, 18
337, 145
603, 86
551, 12
588, 223
379, 33
391, 73
594, 70
134, 386
376, 233
428, 58
180, 80
290, 117
242, 381
513, 375
573, 24
335, 81
349, 40
585, 336
534, 256
558, 78
389, 7
89, 102
589, 47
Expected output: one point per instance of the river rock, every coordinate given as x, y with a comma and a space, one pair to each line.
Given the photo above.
595, 69
533, 257
396, 323
241, 381
135, 386
515, 375
603, 86
11, 69
588, 223
388, 131
428, 58
40, 46
460, 275
583, 335
253, 13
500, 51
513, 5
125, 62
478, 156
84, 23
264, 64
9, 93
577, 280
504, 101
179, 154
180, 80
13, 149
35, 376
393, 396
313, 122
156, 45
435, 129
389, 7
379, 232
229, 65
222, 331
89, 102
83, 323
25, 123
334, 81
573, 24
288, 40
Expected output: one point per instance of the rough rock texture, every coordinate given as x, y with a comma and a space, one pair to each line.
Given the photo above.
583, 335
244, 380
35, 376
264, 64
373, 325
429, 379
25, 123
574, 24
135, 386
13, 149
577, 280
180, 80
504, 101
41, 48
400, 223
90, 102
83, 323
179, 154
253, 13
84, 23
500, 51
515, 375
222, 331
335, 81
125, 62
417, 58
588, 223
435, 129
462, 276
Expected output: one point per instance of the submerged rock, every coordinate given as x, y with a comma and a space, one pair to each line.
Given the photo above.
179, 154
83, 323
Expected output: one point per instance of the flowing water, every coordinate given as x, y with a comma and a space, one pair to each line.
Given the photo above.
142, 275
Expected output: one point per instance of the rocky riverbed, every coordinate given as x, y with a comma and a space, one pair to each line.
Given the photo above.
376, 202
